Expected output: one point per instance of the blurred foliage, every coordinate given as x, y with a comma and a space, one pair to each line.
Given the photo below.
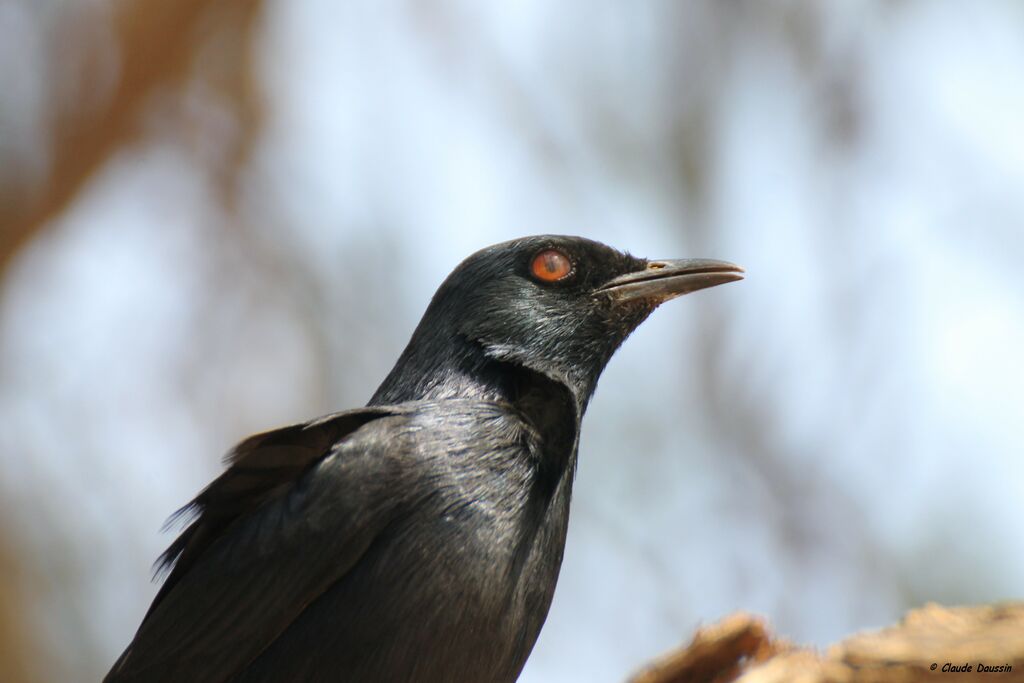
103, 65
105, 62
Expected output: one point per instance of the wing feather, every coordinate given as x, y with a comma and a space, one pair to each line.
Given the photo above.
243, 569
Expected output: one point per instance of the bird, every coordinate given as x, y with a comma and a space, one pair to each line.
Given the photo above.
418, 538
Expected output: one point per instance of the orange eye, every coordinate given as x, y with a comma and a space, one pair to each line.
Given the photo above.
550, 265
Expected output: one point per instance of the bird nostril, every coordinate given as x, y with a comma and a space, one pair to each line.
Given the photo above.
655, 266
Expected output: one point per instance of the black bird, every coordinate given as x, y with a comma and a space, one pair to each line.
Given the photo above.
418, 538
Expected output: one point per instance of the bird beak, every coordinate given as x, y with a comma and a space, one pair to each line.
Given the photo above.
664, 280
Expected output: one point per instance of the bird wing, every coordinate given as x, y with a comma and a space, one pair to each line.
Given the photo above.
292, 514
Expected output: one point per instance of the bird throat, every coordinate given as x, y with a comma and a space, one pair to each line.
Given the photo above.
470, 371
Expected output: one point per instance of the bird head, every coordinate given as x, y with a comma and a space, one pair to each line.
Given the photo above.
555, 305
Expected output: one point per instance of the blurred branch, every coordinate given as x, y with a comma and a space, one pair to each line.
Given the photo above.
740, 648
155, 43
719, 652
17, 648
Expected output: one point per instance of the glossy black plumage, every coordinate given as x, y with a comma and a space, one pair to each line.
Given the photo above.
419, 538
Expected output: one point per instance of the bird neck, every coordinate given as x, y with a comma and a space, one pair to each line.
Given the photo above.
467, 371
462, 370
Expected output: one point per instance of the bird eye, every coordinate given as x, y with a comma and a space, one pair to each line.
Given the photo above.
550, 265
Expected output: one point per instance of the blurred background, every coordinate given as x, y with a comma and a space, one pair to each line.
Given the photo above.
222, 217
